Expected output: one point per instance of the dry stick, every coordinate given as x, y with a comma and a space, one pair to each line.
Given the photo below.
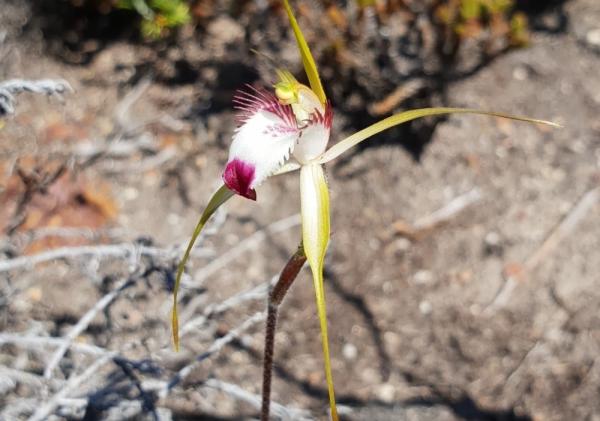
427, 223
144, 165
288, 275
246, 244
255, 293
286, 413
112, 250
448, 211
73, 383
82, 324
564, 228
10, 88
232, 254
43, 342
214, 348
27, 378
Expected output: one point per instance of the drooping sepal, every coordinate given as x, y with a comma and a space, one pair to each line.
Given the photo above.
315, 238
218, 198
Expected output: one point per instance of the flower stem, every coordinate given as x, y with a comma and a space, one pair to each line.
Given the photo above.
278, 292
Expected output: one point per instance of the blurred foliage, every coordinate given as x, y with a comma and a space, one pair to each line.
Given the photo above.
469, 18
466, 19
158, 15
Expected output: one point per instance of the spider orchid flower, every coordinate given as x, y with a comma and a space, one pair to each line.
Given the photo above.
289, 130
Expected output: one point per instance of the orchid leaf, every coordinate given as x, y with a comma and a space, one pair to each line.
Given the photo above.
218, 198
315, 237
307, 59
396, 119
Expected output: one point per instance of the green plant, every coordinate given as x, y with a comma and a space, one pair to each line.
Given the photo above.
469, 18
159, 16
295, 120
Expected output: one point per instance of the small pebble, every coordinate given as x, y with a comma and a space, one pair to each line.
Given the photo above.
520, 73
349, 351
130, 193
173, 219
425, 307
493, 244
386, 392
423, 277
593, 38
402, 244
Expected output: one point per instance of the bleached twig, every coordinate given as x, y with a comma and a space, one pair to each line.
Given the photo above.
236, 392
10, 88
72, 384
256, 293
448, 211
213, 349
27, 378
112, 250
224, 259
82, 324
43, 342
244, 245
146, 164
444, 214
122, 114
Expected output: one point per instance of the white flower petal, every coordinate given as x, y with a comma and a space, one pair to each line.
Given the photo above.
314, 136
263, 142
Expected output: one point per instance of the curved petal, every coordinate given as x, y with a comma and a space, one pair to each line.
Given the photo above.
261, 144
315, 237
314, 136
342, 146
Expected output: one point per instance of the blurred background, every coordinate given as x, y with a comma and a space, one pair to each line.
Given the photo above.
462, 276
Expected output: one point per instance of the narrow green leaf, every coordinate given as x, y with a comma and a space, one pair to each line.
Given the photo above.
315, 237
307, 59
396, 119
218, 198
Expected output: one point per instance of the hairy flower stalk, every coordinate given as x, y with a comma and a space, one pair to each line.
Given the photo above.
280, 132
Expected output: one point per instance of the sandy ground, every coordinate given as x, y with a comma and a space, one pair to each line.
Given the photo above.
462, 282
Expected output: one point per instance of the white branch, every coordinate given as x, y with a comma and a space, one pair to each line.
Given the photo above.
10, 88
81, 325
448, 211
72, 384
244, 245
112, 250
257, 293
42, 343
236, 392
214, 348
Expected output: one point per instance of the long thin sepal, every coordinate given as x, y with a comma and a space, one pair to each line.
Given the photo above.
396, 119
287, 167
307, 59
218, 198
315, 237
